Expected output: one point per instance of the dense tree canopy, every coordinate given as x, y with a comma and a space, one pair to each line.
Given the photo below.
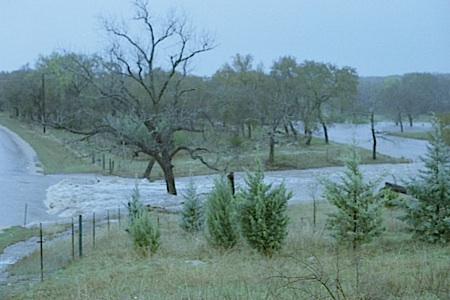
413, 94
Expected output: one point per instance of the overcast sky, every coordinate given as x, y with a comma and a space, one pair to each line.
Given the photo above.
376, 37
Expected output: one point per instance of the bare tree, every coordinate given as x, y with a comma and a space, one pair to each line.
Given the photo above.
367, 105
143, 88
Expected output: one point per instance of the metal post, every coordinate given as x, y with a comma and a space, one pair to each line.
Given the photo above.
93, 230
25, 217
80, 235
43, 103
119, 216
73, 240
107, 217
42, 253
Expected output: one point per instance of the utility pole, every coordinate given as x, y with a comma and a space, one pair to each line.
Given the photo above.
43, 103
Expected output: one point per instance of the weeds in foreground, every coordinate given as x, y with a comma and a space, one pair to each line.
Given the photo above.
187, 267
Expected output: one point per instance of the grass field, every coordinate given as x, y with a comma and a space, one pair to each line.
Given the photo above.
310, 266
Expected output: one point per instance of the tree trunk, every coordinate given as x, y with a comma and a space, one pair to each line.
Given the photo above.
325, 132
149, 168
400, 121
286, 129
293, 129
272, 148
249, 128
374, 137
170, 181
166, 165
308, 133
231, 179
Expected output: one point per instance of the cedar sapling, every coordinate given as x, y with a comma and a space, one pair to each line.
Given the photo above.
262, 213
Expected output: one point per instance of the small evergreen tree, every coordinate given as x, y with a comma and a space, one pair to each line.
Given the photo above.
220, 215
135, 206
428, 204
143, 232
192, 218
358, 218
262, 213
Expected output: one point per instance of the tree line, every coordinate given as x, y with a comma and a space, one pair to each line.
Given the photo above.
141, 94
402, 98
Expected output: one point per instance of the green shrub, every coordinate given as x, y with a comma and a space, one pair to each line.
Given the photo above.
235, 141
144, 233
141, 228
135, 206
192, 217
221, 215
262, 213
358, 216
427, 206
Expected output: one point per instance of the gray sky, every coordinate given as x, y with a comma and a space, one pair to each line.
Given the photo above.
376, 37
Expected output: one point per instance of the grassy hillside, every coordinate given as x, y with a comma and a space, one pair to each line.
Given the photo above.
310, 266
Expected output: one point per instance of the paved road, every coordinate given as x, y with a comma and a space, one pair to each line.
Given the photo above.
21, 182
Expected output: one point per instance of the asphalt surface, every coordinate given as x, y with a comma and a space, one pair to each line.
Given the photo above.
21, 183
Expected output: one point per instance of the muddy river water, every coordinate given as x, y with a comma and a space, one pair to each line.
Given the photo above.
52, 197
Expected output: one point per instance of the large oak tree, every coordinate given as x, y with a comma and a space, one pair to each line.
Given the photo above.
142, 85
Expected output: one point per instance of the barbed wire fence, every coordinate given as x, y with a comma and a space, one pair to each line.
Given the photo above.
65, 241
58, 243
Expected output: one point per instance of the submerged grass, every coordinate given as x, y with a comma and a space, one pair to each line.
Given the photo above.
59, 153
310, 266
12, 235
420, 135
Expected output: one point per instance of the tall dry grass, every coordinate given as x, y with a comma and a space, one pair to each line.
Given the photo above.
310, 266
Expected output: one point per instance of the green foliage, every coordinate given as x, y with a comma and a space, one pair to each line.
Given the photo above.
444, 119
390, 198
135, 206
428, 205
221, 215
192, 217
262, 213
235, 141
358, 218
143, 232
15, 234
